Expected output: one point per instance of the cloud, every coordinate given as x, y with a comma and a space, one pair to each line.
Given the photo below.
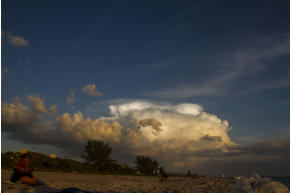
155, 124
71, 98
53, 109
244, 62
268, 85
16, 41
37, 103
90, 89
238, 160
163, 124
126, 106
80, 130
211, 138
30, 126
17, 116
182, 137
279, 147
188, 90
172, 127
165, 64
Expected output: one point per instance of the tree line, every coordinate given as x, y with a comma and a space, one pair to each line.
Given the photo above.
97, 159
98, 154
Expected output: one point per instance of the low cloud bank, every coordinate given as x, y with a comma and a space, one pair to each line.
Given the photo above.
182, 137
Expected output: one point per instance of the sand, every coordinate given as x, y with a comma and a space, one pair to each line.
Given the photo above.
114, 184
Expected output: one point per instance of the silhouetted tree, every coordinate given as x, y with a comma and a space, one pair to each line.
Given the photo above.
146, 165
189, 174
98, 153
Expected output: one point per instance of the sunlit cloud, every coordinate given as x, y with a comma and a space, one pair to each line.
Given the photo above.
83, 129
179, 136
31, 126
18, 117
37, 103
16, 41
90, 89
155, 124
71, 98
53, 109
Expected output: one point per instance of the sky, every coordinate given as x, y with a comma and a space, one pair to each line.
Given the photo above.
198, 85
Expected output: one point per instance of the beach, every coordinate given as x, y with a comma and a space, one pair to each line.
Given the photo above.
56, 181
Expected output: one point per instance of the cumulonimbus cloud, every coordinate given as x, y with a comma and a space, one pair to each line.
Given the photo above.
175, 124
179, 136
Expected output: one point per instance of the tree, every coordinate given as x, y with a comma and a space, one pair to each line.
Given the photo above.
98, 154
146, 165
189, 174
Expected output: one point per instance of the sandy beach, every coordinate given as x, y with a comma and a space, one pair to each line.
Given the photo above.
114, 184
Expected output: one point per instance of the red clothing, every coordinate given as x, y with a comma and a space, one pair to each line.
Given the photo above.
22, 165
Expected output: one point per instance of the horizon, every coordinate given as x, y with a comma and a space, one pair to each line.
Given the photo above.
133, 165
197, 85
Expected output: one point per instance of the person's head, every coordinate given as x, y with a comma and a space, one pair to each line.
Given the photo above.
25, 156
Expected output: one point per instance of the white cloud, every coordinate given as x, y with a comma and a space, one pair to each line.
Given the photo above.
124, 108
245, 62
168, 127
90, 89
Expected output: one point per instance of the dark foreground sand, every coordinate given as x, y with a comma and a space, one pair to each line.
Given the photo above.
114, 184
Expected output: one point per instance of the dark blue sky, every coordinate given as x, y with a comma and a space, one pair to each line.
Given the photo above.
230, 57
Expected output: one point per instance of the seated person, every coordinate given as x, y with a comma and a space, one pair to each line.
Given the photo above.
23, 173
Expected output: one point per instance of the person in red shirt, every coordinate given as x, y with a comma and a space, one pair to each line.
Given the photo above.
23, 173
